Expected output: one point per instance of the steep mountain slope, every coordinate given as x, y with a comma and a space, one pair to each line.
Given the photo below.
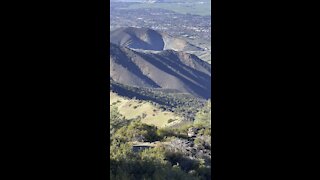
148, 39
167, 70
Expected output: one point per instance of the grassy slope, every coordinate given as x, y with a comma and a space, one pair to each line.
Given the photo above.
133, 108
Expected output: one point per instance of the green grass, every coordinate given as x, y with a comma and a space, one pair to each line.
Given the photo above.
196, 9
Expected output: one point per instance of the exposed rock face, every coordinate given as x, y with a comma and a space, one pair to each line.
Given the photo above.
189, 149
139, 138
192, 132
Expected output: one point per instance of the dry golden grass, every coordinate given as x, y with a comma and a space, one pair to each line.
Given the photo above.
150, 114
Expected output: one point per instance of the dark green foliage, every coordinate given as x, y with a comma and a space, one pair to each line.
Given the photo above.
161, 162
116, 120
153, 163
184, 105
137, 131
148, 164
203, 117
171, 132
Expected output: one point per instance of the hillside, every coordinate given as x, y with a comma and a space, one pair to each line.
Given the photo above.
167, 69
160, 107
149, 113
149, 39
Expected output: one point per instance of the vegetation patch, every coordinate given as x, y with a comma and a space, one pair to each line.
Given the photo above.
149, 113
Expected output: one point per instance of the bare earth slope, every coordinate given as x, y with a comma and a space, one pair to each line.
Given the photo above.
148, 39
167, 70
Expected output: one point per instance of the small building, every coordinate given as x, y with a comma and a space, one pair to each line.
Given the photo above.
140, 146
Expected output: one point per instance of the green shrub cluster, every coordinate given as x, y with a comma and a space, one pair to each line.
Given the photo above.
157, 163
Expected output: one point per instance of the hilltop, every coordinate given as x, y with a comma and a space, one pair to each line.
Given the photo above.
149, 39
